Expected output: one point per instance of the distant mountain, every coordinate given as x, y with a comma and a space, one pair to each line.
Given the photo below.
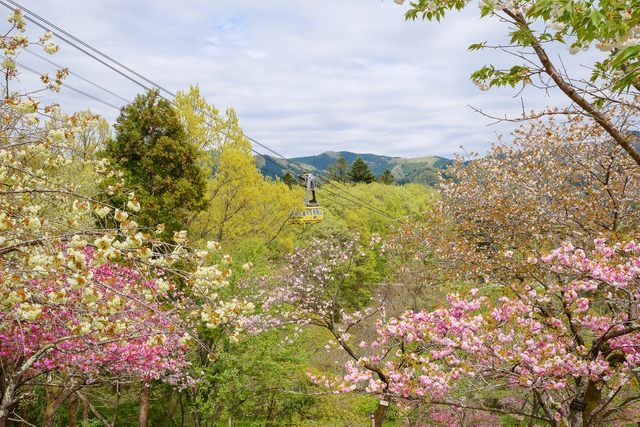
423, 170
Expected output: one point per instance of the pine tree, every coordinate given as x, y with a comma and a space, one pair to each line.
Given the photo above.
360, 172
386, 177
288, 179
159, 162
339, 171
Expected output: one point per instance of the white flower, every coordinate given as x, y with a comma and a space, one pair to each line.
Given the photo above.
57, 135
103, 211
247, 265
626, 15
133, 205
9, 63
120, 216
26, 106
180, 236
604, 47
574, 49
162, 285
558, 26
46, 36
90, 295
51, 48
213, 246
29, 312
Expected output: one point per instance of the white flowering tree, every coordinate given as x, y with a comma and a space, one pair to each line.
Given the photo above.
86, 294
538, 27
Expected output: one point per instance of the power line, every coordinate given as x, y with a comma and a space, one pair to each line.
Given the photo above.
85, 44
84, 79
71, 43
379, 212
267, 158
58, 31
81, 92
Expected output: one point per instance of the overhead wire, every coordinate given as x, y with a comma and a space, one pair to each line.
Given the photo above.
68, 86
49, 26
88, 46
72, 73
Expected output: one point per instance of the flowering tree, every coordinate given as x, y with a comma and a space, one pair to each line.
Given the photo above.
535, 26
565, 340
556, 181
119, 327
78, 275
326, 284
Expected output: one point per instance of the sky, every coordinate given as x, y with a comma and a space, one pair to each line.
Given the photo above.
305, 76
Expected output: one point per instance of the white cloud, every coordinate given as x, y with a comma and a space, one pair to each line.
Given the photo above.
304, 76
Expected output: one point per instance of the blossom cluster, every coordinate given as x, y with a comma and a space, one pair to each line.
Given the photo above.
581, 321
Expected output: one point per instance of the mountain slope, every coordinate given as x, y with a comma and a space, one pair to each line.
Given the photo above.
423, 170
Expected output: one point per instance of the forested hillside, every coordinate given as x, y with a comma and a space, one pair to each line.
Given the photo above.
420, 170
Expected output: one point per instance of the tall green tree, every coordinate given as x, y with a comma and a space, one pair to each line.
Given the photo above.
159, 162
288, 179
339, 171
386, 177
360, 172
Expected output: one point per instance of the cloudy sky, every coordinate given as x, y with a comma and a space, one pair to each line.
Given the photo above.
305, 76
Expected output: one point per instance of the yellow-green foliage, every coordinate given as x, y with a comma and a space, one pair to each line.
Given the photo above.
343, 216
242, 204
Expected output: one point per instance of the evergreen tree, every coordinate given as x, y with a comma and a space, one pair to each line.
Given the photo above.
288, 179
360, 172
159, 163
386, 177
339, 171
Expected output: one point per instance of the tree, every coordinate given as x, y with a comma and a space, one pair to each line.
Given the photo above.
360, 172
556, 181
160, 162
327, 284
386, 177
561, 340
339, 171
288, 179
241, 202
496, 217
537, 26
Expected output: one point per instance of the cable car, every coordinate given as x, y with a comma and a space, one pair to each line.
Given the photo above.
313, 212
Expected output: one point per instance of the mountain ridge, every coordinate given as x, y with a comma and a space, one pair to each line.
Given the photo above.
422, 170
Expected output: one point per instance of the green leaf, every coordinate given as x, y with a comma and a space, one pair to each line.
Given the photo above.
477, 46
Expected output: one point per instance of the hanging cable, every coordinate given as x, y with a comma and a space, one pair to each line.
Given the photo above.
104, 89
81, 92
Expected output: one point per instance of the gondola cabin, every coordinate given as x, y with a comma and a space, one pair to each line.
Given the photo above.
308, 216
312, 212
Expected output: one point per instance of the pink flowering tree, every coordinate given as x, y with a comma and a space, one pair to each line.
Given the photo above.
563, 342
120, 327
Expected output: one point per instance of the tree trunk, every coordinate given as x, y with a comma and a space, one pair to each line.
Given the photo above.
144, 405
7, 402
85, 414
576, 409
73, 410
52, 408
381, 411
